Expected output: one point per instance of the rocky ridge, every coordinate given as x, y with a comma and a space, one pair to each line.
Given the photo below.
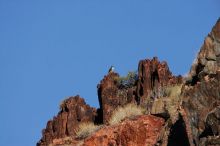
201, 93
189, 116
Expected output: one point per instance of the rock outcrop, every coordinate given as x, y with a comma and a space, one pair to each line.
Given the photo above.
139, 131
72, 111
111, 95
175, 112
153, 76
201, 93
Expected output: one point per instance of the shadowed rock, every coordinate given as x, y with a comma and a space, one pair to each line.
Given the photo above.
152, 77
201, 96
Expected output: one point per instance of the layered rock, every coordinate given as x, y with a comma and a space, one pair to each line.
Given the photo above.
111, 95
152, 77
189, 117
139, 131
73, 111
145, 130
201, 93
208, 58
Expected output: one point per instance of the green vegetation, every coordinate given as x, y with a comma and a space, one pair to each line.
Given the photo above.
129, 80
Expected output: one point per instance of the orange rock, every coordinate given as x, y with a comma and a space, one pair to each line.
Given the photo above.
140, 131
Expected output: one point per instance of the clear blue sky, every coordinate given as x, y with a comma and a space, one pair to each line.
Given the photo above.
52, 49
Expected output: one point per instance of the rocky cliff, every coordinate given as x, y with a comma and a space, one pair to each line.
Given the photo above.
201, 93
150, 107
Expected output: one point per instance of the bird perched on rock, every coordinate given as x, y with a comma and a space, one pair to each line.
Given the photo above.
111, 69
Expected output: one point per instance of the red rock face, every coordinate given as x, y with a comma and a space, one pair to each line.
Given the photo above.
73, 111
140, 131
193, 120
111, 96
153, 75
201, 97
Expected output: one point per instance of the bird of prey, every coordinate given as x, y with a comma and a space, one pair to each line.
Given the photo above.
111, 69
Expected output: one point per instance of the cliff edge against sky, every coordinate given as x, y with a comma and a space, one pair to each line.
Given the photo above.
169, 110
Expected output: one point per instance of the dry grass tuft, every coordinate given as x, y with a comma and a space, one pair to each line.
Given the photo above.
173, 91
174, 101
86, 129
128, 110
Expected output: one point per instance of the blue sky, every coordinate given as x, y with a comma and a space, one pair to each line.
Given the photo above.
52, 49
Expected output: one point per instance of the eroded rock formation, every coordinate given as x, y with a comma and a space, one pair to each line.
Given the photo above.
153, 77
201, 93
190, 117
72, 111
111, 96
